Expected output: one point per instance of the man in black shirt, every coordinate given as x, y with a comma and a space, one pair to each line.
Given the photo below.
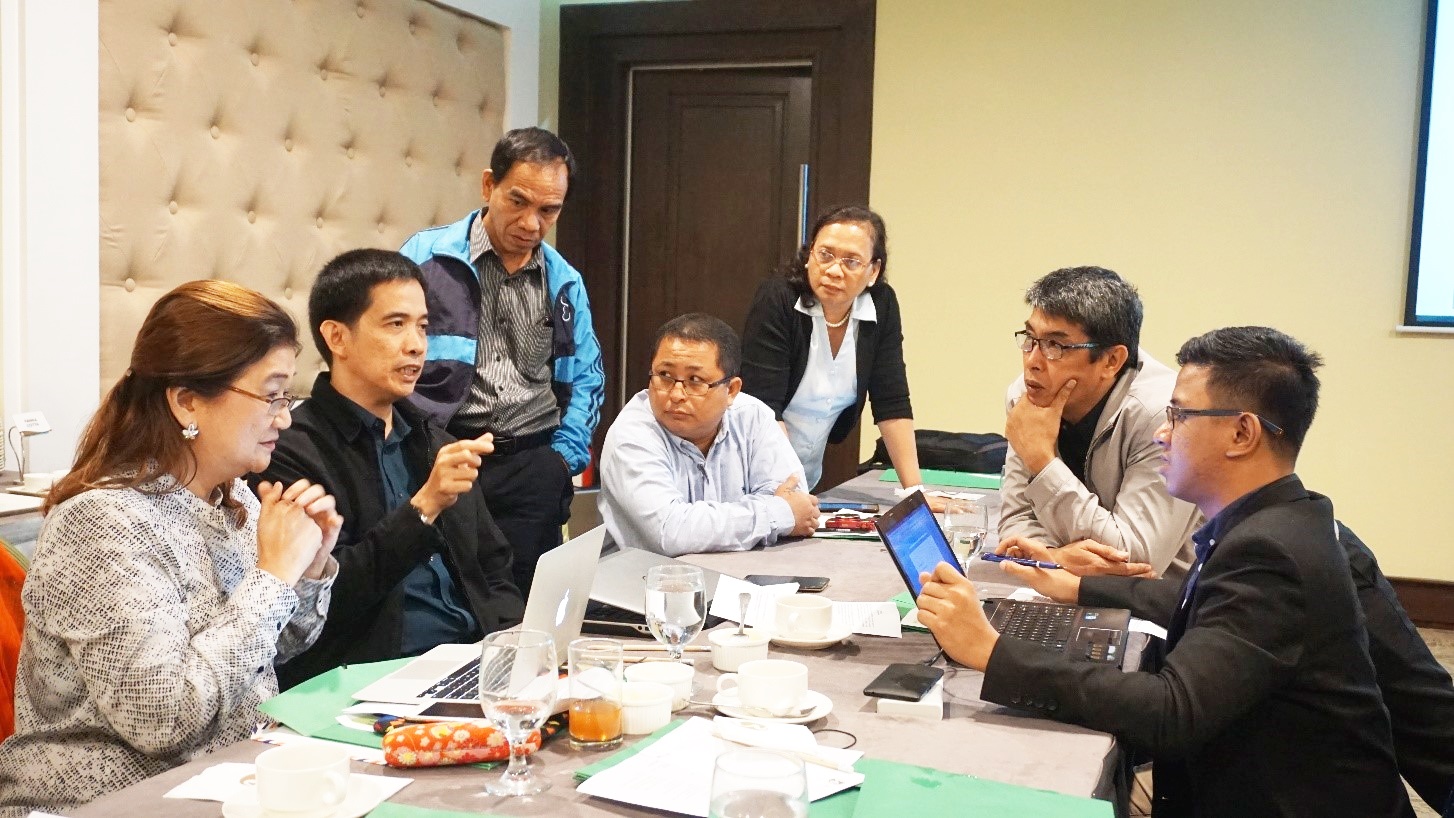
421, 561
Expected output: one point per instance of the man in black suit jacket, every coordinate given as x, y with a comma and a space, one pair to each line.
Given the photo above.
1416, 689
1263, 700
420, 560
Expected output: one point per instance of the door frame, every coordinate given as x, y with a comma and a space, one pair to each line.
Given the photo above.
601, 45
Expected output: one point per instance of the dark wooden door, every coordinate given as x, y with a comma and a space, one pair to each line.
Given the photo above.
716, 196
604, 45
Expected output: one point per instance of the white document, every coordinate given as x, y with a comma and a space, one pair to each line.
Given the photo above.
221, 781
674, 774
1148, 627
761, 611
953, 495
867, 618
283, 735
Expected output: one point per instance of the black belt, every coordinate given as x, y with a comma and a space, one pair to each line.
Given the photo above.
512, 445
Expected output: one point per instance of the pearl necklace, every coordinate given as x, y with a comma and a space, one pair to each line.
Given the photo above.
837, 324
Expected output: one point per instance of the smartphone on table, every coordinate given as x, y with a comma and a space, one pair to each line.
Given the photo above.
806, 585
904, 681
828, 507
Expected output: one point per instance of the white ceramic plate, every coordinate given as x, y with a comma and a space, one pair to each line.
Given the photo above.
728, 704
362, 797
828, 640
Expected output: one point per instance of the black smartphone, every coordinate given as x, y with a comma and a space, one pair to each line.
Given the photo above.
806, 585
828, 507
904, 681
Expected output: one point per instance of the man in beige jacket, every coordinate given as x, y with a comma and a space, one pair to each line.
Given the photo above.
1081, 471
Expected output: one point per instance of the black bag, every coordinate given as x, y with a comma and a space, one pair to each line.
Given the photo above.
950, 451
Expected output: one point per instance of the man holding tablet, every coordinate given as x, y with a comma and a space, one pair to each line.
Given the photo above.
1263, 700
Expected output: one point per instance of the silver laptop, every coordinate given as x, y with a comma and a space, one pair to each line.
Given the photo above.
618, 596
558, 596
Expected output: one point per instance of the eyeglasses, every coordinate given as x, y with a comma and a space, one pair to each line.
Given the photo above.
1052, 350
849, 264
275, 405
693, 386
1176, 414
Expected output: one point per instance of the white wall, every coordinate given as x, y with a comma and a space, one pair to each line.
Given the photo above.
49, 239
49, 193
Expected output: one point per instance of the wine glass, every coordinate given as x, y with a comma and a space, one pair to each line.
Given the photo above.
758, 784
517, 691
676, 605
966, 525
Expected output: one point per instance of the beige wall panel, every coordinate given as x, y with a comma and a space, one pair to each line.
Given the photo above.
254, 141
1242, 162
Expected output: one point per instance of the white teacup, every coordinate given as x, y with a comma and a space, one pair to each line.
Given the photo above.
675, 675
302, 779
804, 616
645, 707
729, 650
775, 686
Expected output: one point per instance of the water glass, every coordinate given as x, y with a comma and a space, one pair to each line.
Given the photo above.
966, 525
676, 605
517, 692
751, 783
596, 670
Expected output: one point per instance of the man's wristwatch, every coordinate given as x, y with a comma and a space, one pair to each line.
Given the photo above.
423, 518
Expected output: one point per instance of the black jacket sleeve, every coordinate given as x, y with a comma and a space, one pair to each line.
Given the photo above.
888, 387
769, 348
373, 562
1247, 642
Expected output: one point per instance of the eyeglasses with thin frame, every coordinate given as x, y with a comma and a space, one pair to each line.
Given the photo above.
275, 405
1176, 414
848, 264
1052, 350
693, 386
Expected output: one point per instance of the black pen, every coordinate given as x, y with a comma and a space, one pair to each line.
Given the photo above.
1020, 561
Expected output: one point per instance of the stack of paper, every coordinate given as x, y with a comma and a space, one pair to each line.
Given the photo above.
674, 772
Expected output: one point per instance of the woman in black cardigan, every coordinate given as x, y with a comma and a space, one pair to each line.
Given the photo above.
824, 335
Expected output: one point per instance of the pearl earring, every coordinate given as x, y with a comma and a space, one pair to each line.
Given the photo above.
191, 432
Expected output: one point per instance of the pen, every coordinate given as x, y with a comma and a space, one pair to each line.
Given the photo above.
1020, 561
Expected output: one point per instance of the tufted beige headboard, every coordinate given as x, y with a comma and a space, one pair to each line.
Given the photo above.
253, 140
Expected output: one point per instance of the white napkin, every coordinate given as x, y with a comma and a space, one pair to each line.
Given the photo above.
224, 781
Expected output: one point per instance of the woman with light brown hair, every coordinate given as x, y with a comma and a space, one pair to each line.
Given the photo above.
162, 590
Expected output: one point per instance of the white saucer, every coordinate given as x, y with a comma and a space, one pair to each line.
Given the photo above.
728, 704
363, 796
827, 640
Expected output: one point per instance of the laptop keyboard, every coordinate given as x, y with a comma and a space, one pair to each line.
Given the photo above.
1048, 625
461, 684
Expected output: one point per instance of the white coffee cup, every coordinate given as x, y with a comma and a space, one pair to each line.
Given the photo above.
729, 650
645, 707
772, 685
804, 616
302, 778
676, 675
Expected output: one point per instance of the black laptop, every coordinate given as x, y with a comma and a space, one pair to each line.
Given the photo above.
917, 543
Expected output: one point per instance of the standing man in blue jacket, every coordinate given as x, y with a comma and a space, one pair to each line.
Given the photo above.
512, 350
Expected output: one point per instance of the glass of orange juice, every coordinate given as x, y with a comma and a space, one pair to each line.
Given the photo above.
596, 671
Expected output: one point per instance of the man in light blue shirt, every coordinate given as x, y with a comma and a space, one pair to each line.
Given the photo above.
692, 465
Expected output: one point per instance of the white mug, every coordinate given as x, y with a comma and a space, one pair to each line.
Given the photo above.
676, 675
645, 707
804, 616
302, 778
772, 685
729, 650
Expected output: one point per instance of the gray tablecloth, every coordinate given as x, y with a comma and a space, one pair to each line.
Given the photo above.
975, 738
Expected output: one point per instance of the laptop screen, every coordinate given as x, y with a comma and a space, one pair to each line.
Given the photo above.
914, 540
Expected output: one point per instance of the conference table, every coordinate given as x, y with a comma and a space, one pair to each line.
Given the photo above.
974, 738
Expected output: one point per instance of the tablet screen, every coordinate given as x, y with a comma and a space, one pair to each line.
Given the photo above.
917, 544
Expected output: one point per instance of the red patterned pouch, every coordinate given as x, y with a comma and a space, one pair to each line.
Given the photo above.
443, 743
